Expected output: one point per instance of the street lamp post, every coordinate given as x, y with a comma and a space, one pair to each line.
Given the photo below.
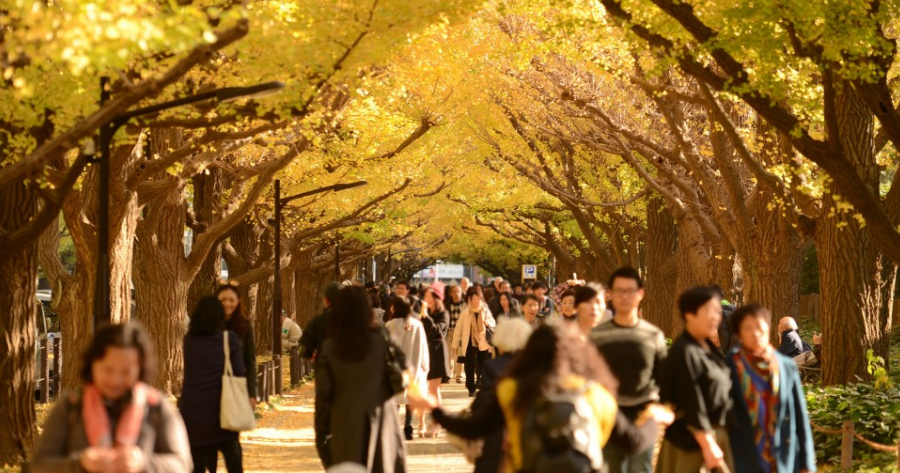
102, 303
280, 202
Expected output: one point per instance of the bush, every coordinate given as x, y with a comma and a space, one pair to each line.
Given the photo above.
874, 412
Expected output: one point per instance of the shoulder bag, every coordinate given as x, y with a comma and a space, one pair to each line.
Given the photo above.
235, 412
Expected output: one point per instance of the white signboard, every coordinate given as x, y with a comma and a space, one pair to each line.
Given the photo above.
444, 271
529, 271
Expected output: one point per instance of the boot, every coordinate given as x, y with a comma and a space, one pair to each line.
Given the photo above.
408, 432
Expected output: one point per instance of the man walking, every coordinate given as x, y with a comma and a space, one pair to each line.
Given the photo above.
634, 350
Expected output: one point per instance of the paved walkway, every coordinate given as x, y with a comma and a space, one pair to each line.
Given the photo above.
284, 440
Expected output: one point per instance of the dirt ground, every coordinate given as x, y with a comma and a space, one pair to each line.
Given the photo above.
284, 440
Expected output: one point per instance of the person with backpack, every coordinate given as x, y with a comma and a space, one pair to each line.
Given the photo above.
201, 394
557, 404
116, 421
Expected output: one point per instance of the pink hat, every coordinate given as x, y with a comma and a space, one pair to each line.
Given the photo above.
438, 288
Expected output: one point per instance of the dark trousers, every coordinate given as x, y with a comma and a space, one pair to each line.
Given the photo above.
206, 457
474, 361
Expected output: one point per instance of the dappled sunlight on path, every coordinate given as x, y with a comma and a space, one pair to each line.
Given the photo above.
284, 440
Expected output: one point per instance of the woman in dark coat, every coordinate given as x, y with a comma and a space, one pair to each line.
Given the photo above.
234, 320
352, 384
437, 324
204, 363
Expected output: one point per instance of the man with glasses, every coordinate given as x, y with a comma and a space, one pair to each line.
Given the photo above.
634, 350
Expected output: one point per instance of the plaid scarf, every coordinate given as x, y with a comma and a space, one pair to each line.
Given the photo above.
758, 376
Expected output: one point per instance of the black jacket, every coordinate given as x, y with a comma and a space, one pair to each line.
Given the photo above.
791, 344
314, 334
726, 339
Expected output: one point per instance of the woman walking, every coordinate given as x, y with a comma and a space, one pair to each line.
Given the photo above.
436, 323
471, 337
204, 363
556, 363
409, 334
589, 302
507, 309
353, 381
455, 305
567, 306
772, 432
234, 320
116, 422
697, 382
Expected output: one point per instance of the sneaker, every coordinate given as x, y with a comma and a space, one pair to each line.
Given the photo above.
459, 380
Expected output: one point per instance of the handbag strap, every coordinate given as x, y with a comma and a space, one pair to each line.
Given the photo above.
228, 371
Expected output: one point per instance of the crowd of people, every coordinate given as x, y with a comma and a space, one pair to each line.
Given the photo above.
573, 380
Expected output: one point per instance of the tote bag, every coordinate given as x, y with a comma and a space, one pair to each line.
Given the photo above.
235, 413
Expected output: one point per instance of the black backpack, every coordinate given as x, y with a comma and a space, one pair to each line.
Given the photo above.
560, 434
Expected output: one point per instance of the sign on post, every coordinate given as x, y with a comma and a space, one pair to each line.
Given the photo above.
529, 271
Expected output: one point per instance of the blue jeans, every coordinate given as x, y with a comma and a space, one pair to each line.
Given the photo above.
620, 462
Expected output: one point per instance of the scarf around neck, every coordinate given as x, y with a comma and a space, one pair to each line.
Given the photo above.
759, 380
96, 418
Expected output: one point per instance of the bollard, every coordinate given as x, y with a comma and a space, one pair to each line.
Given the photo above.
271, 374
45, 371
278, 375
847, 431
263, 379
295, 366
57, 364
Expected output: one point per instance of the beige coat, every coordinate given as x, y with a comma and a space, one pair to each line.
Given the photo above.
463, 330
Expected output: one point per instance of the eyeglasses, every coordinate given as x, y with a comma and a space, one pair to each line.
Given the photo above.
624, 292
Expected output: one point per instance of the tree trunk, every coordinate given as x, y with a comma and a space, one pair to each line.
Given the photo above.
207, 190
771, 273
310, 290
160, 286
76, 292
661, 276
161, 292
17, 322
851, 268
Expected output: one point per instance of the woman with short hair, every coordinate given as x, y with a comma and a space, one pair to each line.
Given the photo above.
697, 382
772, 431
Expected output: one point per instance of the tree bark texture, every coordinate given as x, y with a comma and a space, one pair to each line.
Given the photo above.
18, 284
771, 272
75, 291
661, 275
207, 190
161, 288
851, 268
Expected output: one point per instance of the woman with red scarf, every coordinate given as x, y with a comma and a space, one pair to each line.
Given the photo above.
771, 433
116, 423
